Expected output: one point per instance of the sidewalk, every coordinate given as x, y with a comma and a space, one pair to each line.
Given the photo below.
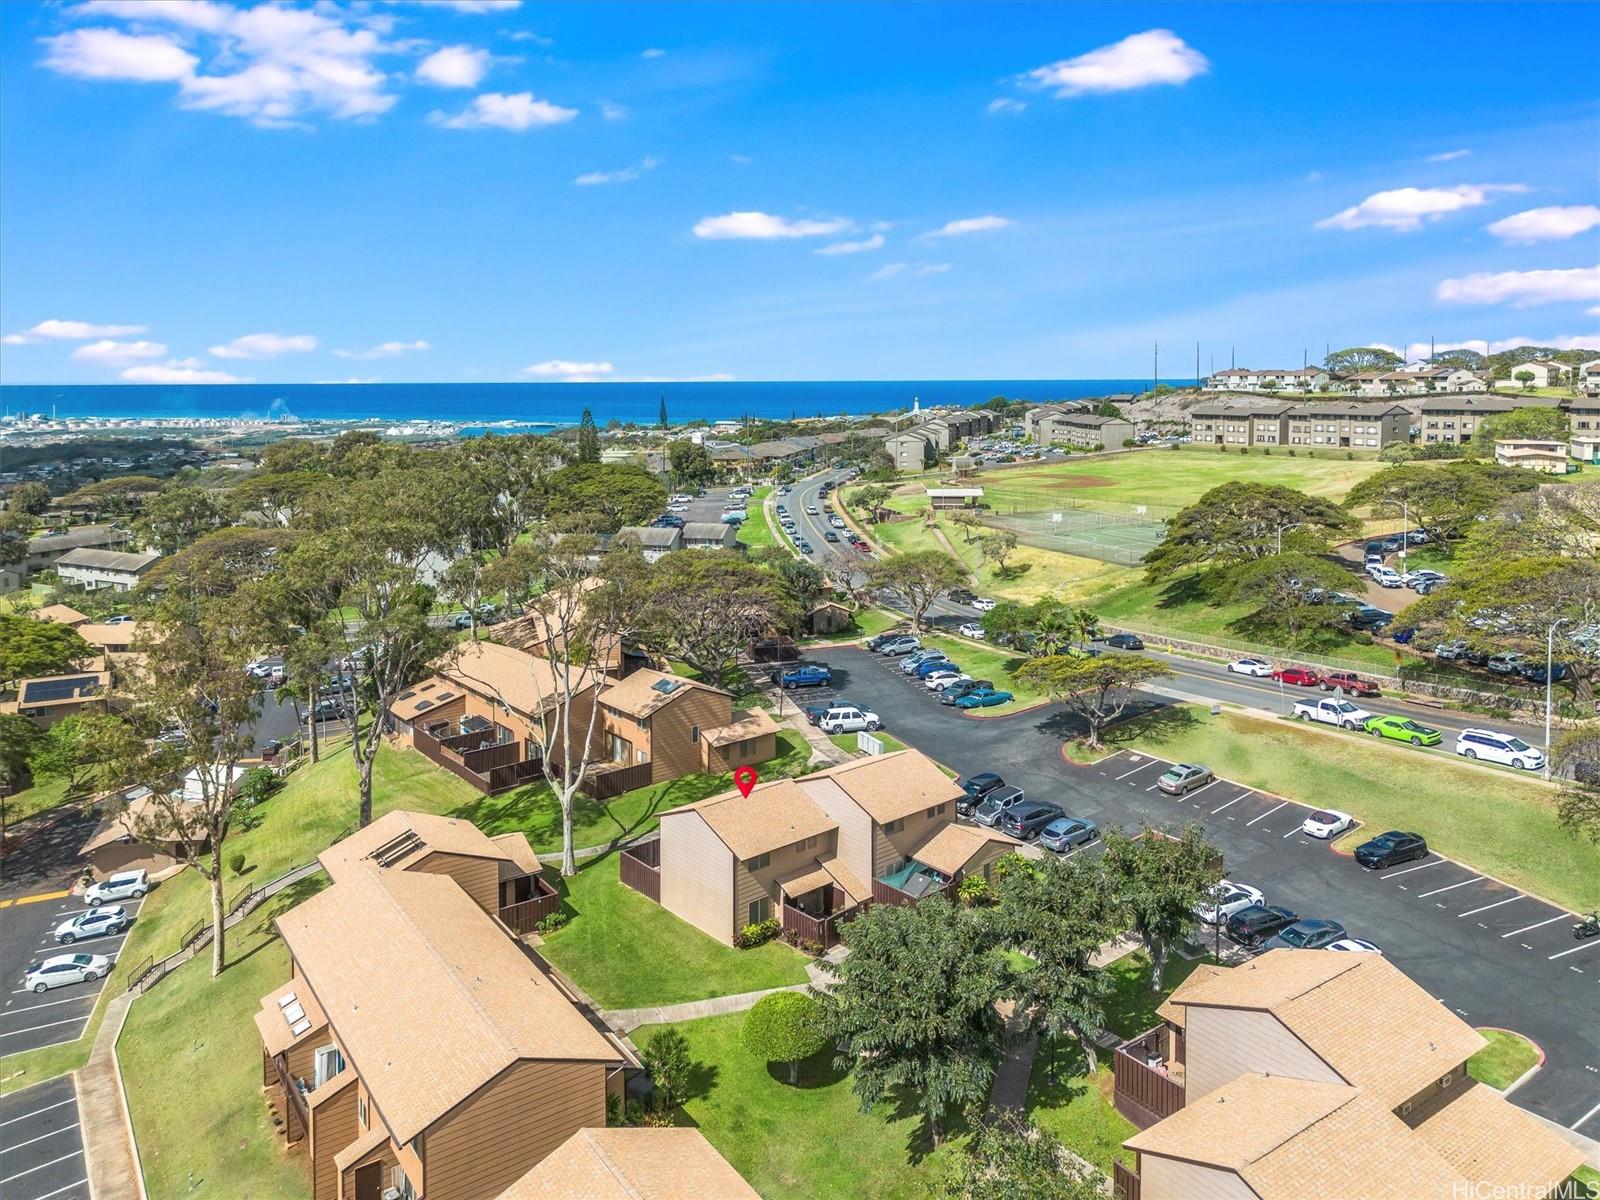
629, 1019
108, 1148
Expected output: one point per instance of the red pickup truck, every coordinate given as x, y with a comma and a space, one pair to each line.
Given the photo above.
1349, 684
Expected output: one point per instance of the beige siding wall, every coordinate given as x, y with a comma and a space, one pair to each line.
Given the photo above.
333, 1127
1225, 1043
1457, 1074
629, 729
478, 877
675, 726
981, 862
485, 1144
889, 849
1170, 1179
749, 885
717, 760
697, 874
855, 838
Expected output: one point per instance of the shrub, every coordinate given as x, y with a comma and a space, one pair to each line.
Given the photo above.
754, 935
1291, 452
236, 863
974, 889
666, 1057
552, 922
785, 1027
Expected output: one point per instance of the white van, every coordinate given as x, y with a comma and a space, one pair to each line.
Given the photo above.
1503, 748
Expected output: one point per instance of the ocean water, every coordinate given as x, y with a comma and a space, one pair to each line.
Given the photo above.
536, 404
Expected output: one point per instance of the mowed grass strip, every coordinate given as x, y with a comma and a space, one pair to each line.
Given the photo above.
805, 1141
1506, 1058
627, 951
1500, 824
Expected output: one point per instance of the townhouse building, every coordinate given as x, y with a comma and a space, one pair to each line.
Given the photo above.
1544, 372
1085, 430
1583, 411
1294, 379
1239, 423
93, 569
1346, 426
1454, 419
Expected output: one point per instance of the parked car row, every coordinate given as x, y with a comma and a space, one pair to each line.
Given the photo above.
941, 676
989, 800
1247, 920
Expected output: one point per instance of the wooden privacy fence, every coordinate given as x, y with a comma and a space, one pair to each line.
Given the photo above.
1124, 1183
640, 868
1143, 1093
822, 930
525, 915
887, 893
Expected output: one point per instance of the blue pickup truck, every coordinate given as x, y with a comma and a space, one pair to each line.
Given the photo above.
803, 676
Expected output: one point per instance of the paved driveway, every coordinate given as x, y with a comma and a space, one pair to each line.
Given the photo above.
29, 1020
41, 1146
1495, 955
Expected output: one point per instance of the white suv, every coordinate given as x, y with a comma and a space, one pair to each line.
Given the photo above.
1499, 748
849, 719
129, 885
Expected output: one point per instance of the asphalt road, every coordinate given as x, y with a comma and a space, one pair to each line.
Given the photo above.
41, 1145
1498, 957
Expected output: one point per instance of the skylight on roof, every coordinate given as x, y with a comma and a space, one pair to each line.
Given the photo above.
666, 686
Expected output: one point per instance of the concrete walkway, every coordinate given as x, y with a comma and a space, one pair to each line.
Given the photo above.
108, 1146
629, 1019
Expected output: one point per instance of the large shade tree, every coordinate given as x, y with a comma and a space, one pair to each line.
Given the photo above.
918, 578
1237, 521
1161, 880
703, 607
1097, 689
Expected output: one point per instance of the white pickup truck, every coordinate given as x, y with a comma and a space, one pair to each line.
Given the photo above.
1332, 712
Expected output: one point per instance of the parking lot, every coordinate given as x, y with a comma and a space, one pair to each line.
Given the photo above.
41, 1146
29, 1020
1497, 956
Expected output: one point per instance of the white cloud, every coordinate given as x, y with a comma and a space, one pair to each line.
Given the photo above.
762, 226
270, 64
265, 345
385, 350
176, 371
1448, 156
1522, 289
622, 175
107, 353
613, 112
1005, 104
875, 242
496, 110
971, 225
110, 54
568, 370
1140, 60
653, 52
479, 6
902, 270
55, 330
1405, 209
454, 67
1552, 224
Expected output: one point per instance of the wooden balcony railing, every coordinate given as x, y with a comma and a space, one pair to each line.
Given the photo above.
1124, 1183
822, 930
1143, 1093
297, 1114
524, 916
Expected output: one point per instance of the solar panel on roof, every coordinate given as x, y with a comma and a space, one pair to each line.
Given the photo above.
424, 704
58, 689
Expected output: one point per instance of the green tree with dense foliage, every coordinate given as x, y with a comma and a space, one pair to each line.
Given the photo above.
1289, 593
996, 548
604, 497
1161, 880
119, 494
912, 1007
1534, 424
177, 515
1576, 756
16, 529
1237, 521
919, 578
30, 648
588, 439
1011, 1158
31, 497
1355, 359
1445, 500
18, 739
689, 464
785, 1027
1098, 689
82, 750
666, 1057
703, 607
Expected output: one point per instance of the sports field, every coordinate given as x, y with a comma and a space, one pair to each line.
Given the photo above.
1109, 537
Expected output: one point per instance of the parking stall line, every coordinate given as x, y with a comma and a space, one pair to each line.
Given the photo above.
1142, 766
1474, 911
1268, 813
1536, 925
1290, 834
1229, 804
40, 1138
37, 1111
1575, 949
59, 1190
42, 1166
50, 1004
1451, 888
1438, 862
46, 1025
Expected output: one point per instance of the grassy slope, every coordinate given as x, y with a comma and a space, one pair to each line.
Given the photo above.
795, 1143
758, 531
1504, 1060
627, 951
1500, 824
30, 802
191, 1064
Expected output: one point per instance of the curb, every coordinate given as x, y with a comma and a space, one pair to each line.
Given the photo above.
1538, 1063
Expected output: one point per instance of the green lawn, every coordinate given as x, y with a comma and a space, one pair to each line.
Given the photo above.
30, 802
191, 1065
1063, 1099
811, 1140
1504, 825
1506, 1058
1131, 1006
628, 952
757, 530
847, 741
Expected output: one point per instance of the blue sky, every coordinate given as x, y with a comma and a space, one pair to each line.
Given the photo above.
482, 189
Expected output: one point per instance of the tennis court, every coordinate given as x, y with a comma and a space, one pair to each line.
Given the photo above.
1109, 537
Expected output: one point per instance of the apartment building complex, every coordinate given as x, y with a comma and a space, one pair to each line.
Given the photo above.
1454, 419
1084, 429
1341, 425
922, 445
1309, 1073
1295, 379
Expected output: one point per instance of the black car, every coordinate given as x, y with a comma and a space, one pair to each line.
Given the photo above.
1370, 617
1125, 641
1024, 821
1310, 934
879, 640
1388, 849
962, 596
955, 691
974, 788
1251, 926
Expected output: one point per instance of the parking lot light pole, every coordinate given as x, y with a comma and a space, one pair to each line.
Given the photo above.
1549, 671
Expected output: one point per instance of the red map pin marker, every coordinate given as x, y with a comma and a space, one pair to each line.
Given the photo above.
745, 780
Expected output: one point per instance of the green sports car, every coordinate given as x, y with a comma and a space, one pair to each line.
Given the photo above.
1403, 729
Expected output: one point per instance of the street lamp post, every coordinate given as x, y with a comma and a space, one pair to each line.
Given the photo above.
1549, 671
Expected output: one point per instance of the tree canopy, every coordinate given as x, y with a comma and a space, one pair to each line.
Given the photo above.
1289, 592
30, 648
1161, 880
1444, 499
605, 497
1014, 1159
702, 607
919, 578
1096, 689
1238, 521
785, 1027
1362, 358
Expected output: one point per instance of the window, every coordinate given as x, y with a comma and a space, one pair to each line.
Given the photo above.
936, 811
402, 1184
1446, 1079
361, 1110
760, 861
760, 910
694, 733
895, 826
327, 1063
805, 844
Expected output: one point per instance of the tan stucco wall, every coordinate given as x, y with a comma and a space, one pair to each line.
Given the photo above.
697, 874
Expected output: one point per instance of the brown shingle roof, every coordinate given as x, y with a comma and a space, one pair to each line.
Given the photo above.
646, 690
433, 692
1172, 1008
746, 723
952, 848
632, 1164
278, 1017
774, 814
429, 997
1486, 1137
523, 681
59, 614
1259, 1114
890, 786
400, 837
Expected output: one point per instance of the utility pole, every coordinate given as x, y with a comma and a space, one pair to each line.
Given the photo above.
1197, 366
1231, 363
1155, 370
